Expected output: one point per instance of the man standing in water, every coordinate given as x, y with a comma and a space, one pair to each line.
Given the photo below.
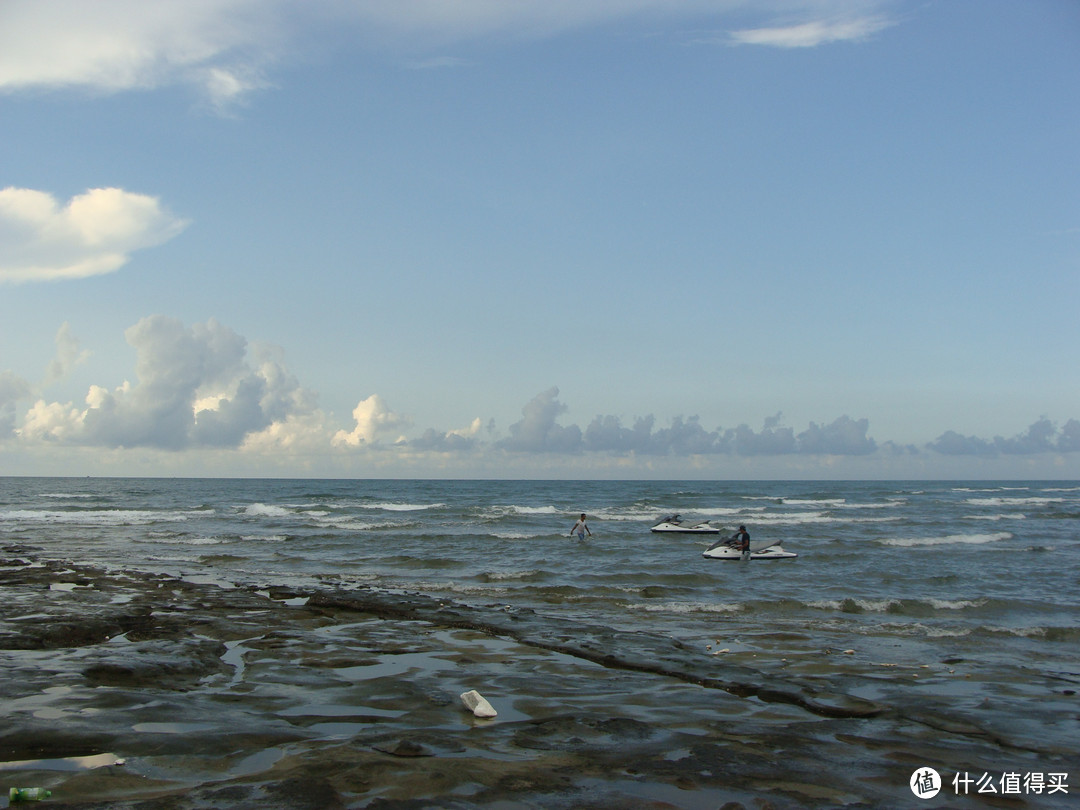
580, 528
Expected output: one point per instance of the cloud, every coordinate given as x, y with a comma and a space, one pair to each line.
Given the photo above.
301, 432
225, 47
951, 443
451, 441
68, 354
1039, 438
197, 387
773, 440
441, 21
12, 389
606, 434
812, 34
537, 432
373, 418
843, 437
93, 233
1069, 439
203, 387
1043, 436
686, 436
114, 45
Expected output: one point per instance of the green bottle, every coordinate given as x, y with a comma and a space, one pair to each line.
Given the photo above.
28, 794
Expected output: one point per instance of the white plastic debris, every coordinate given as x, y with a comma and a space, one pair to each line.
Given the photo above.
476, 704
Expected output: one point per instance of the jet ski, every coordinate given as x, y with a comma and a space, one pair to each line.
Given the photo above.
675, 523
762, 550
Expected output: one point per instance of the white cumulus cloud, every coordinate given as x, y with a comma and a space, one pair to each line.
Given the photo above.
373, 419
198, 386
94, 233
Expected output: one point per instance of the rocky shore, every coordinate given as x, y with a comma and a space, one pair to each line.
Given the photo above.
124, 689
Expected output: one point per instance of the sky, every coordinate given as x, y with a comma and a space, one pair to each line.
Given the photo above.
720, 239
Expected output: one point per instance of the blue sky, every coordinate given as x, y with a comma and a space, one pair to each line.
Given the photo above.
629, 238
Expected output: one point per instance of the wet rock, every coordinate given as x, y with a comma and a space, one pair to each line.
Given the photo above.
163, 664
405, 748
222, 698
301, 793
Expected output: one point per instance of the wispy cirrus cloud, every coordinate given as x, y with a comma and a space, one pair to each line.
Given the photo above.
226, 48
813, 33
93, 233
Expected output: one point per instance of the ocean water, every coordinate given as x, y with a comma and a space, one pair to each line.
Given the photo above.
993, 561
968, 590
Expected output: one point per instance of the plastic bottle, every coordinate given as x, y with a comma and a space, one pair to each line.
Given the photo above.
34, 794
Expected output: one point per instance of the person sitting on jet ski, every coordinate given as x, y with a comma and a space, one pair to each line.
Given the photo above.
741, 541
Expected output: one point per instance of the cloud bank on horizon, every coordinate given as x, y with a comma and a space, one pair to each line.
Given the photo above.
204, 386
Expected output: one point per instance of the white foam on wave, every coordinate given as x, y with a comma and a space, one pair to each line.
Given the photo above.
186, 541
626, 514
265, 510
97, 517
535, 510
1032, 501
497, 576
350, 523
889, 605
991, 489
738, 510
800, 518
920, 630
866, 605
687, 607
403, 507
173, 558
955, 604
1004, 516
463, 588
951, 539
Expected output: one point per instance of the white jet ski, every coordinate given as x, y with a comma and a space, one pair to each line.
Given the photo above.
675, 523
761, 550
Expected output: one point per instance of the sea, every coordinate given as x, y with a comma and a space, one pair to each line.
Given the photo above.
972, 587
